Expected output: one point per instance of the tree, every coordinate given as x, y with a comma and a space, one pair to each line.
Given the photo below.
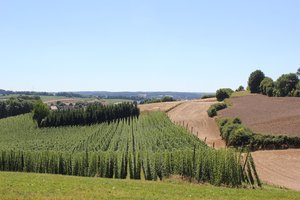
40, 112
286, 83
267, 86
240, 88
223, 93
298, 71
254, 81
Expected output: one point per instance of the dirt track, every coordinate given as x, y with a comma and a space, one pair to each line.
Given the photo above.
267, 115
194, 113
281, 168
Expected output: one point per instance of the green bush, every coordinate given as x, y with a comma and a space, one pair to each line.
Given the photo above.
240, 137
266, 86
254, 81
213, 109
223, 93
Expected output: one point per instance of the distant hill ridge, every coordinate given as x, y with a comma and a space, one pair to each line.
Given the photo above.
106, 94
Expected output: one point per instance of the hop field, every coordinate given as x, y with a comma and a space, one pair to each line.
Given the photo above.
150, 147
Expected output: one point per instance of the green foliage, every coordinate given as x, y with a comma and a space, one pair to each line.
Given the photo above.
240, 89
40, 112
286, 83
17, 106
164, 99
223, 93
150, 147
237, 135
212, 111
94, 113
254, 81
267, 86
296, 93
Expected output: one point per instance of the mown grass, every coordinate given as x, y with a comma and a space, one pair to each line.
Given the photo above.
43, 186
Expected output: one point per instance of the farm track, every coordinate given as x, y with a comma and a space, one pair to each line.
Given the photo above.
281, 167
194, 115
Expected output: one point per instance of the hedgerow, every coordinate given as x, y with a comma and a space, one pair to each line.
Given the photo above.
213, 109
237, 135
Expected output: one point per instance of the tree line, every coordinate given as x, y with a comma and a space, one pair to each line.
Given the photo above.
285, 85
65, 94
92, 114
155, 100
17, 106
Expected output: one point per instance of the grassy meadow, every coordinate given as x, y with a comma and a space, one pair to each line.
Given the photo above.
43, 186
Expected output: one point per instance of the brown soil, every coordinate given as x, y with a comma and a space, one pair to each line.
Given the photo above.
165, 106
280, 168
267, 115
194, 114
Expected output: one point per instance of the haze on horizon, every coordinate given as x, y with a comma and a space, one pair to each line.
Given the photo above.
188, 46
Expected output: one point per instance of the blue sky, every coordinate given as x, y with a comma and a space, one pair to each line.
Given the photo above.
144, 45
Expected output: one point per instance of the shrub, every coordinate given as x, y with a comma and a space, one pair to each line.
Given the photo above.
240, 137
223, 93
212, 111
254, 81
266, 86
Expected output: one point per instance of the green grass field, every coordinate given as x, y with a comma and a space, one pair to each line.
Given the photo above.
43, 186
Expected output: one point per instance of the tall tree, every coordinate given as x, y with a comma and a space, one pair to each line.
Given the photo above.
254, 81
40, 112
298, 71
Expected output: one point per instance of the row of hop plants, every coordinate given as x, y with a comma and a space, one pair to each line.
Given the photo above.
217, 167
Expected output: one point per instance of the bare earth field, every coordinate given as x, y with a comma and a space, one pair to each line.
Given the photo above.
280, 168
165, 106
267, 115
194, 113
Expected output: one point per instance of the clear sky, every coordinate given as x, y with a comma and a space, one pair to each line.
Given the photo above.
154, 45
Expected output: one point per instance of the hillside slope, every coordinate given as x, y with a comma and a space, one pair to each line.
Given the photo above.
279, 167
267, 115
194, 113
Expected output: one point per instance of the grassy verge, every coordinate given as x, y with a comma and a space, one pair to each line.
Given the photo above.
42, 186
240, 94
